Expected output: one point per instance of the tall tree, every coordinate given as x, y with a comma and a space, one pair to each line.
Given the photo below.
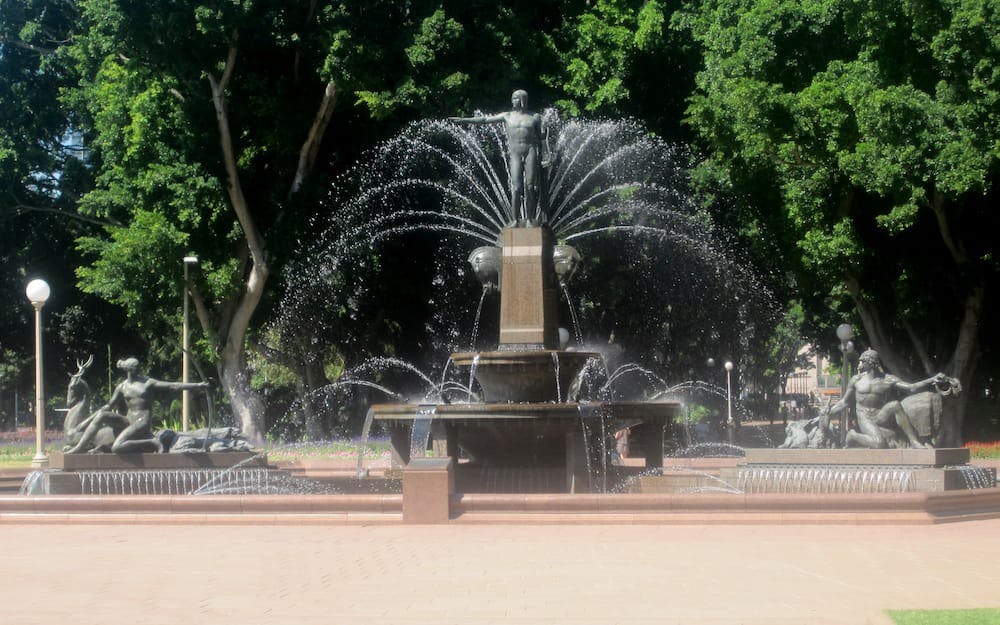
874, 123
212, 127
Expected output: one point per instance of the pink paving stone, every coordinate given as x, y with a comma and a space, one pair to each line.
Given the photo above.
825, 574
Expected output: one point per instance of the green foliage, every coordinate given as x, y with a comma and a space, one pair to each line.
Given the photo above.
11, 364
872, 126
831, 96
696, 413
621, 57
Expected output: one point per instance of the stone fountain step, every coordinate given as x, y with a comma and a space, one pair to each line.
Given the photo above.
11, 480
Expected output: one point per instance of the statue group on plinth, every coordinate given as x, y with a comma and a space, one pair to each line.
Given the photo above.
890, 412
125, 423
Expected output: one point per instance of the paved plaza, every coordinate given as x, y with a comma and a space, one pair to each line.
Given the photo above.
482, 574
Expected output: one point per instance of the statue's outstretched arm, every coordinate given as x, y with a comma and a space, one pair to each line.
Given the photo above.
922, 385
81, 426
177, 386
481, 119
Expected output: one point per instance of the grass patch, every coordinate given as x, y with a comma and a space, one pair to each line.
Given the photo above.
980, 616
15, 455
18, 448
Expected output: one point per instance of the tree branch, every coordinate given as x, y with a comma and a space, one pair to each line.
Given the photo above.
955, 247
201, 311
23, 209
919, 346
258, 273
25, 45
963, 357
310, 147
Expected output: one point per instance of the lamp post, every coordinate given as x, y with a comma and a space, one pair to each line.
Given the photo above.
38, 293
730, 425
185, 348
845, 333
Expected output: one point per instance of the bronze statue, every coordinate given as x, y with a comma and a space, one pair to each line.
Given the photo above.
205, 439
812, 433
526, 157
78, 408
128, 413
885, 421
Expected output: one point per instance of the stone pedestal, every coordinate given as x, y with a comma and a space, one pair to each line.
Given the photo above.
857, 471
155, 474
528, 290
428, 484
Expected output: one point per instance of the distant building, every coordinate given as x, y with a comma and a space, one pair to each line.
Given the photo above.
814, 384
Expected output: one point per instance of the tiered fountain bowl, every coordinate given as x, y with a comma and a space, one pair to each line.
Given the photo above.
529, 418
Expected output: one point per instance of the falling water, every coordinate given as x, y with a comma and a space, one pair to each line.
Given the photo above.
976, 477
555, 365
33, 483
472, 375
420, 435
766, 478
363, 442
572, 313
479, 312
248, 480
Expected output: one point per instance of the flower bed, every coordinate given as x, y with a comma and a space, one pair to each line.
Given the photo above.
984, 450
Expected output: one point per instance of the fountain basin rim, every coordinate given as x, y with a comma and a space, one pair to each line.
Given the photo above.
533, 411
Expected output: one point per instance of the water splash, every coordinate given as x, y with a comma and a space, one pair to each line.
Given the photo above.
420, 434
766, 478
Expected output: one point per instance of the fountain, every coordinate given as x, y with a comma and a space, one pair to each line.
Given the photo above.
523, 425
529, 418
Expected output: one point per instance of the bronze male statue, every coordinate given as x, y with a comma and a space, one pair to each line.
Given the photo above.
885, 421
525, 154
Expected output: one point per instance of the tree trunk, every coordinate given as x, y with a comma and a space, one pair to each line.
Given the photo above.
962, 365
309, 382
875, 330
235, 314
248, 406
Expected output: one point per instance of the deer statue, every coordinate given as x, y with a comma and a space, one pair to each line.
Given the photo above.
78, 409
